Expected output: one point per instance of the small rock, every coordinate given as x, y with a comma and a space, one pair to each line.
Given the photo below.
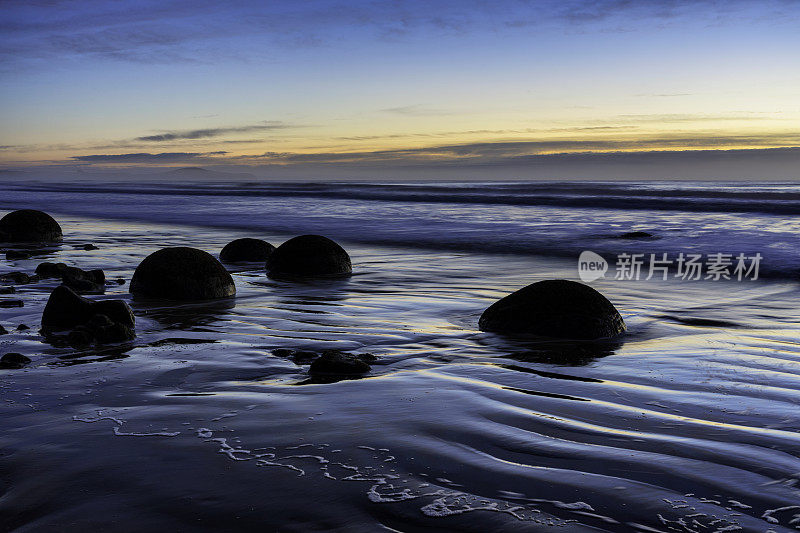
5, 303
13, 360
554, 308
299, 357
29, 225
120, 281
637, 235
246, 250
18, 277
84, 282
23, 327
3, 331
7, 290
51, 270
12, 255
182, 273
339, 363
88, 247
79, 280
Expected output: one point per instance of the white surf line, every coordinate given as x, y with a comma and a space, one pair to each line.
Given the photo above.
89, 419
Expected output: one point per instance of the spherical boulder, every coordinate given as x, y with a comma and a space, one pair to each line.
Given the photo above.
181, 273
554, 308
246, 250
309, 256
29, 225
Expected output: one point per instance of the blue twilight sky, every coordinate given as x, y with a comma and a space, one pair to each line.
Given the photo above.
327, 89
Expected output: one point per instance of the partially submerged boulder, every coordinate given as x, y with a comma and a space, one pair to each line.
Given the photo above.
182, 273
79, 280
554, 308
246, 250
67, 310
13, 360
300, 357
13, 255
329, 362
341, 363
637, 235
20, 278
29, 225
85, 282
309, 256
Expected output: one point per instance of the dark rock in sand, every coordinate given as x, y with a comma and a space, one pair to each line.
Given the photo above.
309, 256
120, 281
84, 282
341, 363
12, 255
51, 270
67, 310
20, 278
11, 303
637, 235
13, 360
23, 327
88, 247
182, 273
7, 290
245, 250
300, 357
79, 280
554, 308
29, 225
3, 331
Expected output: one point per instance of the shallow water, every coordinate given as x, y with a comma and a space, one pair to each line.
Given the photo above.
689, 423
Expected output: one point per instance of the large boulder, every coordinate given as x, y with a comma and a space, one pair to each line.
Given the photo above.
29, 225
181, 273
309, 256
554, 308
67, 310
246, 250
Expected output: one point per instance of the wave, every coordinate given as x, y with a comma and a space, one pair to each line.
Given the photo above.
780, 199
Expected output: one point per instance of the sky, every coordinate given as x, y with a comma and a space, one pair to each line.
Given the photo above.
468, 89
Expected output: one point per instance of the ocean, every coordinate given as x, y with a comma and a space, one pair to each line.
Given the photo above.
690, 421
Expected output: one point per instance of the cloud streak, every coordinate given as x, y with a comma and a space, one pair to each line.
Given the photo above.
143, 157
512, 150
208, 133
480, 153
